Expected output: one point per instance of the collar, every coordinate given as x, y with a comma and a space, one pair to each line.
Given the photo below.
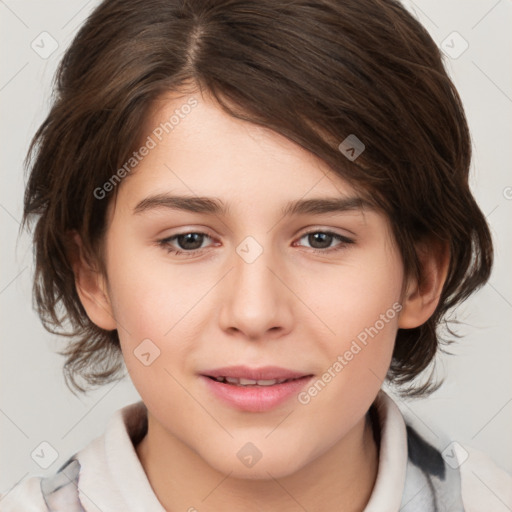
388, 489
112, 478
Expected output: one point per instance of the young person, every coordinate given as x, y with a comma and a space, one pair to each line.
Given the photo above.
261, 209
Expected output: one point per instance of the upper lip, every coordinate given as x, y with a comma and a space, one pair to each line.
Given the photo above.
262, 373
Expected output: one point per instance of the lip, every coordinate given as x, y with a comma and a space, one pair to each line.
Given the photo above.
255, 398
263, 373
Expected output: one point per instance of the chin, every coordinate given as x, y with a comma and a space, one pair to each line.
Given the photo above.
275, 466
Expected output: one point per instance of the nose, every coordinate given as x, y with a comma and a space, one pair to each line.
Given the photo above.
256, 302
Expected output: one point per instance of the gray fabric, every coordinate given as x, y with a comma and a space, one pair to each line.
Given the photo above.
430, 484
60, 491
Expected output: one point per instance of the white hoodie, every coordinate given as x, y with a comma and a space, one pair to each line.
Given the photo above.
413, 475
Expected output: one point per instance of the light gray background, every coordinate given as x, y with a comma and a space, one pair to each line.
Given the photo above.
474, 405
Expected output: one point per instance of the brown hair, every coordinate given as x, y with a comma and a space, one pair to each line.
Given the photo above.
314, 72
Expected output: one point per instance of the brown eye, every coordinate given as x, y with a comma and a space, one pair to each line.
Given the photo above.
184, 243
321, 241
190, 241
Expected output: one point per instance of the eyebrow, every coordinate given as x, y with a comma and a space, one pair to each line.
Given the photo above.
215, 206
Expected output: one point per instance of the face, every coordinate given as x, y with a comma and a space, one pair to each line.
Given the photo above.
241, 288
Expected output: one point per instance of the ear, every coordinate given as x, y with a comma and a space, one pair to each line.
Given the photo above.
421, 296
91, 287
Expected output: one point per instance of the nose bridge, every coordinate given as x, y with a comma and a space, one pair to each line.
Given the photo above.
256, 300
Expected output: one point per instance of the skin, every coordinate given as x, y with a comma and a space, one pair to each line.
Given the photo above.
291, 307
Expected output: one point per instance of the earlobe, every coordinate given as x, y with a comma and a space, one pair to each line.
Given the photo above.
421, 296
91, 287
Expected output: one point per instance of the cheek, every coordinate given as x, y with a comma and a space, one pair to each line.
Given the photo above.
360, 306
356, 358
354, 298
150, 302
150, 294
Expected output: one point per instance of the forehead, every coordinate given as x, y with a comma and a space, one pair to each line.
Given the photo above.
197, 150
193, 133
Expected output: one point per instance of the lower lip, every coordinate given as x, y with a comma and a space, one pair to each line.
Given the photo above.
255, 398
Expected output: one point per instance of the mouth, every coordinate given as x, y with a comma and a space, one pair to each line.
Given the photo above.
254, 389
251, 382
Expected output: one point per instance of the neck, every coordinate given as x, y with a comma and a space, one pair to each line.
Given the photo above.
340, 479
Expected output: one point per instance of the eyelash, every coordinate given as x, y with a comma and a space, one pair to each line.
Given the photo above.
165, 243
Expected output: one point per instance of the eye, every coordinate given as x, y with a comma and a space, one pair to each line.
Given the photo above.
188, 243
320, 241
191, 243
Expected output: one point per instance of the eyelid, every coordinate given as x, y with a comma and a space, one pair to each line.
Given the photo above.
330, 231
165, 242
342, 239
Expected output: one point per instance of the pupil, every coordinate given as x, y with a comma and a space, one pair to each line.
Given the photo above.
324, 238
190, 238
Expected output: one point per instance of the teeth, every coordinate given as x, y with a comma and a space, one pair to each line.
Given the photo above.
250, 382
270, 382
244, 382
